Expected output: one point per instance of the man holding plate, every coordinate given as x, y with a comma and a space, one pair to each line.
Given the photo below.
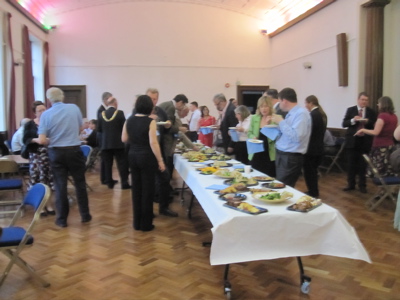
292, 143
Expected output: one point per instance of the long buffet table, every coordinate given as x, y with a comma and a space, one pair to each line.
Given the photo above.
240, 237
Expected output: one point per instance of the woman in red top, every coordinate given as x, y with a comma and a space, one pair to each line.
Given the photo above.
206, 120
383, 143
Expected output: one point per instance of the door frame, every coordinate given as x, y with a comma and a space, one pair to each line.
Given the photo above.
81, 89
241, 88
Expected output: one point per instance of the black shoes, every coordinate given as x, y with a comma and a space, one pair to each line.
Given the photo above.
111, 184
61, 224
169, 213
125, 186
87, 219
349, 188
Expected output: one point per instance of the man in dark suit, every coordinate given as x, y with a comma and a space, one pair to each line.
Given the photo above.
228, 120
171, 108
315, 150
102, 108
110, 126
357, 117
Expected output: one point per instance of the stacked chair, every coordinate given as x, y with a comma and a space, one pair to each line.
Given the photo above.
11, 180
388, 186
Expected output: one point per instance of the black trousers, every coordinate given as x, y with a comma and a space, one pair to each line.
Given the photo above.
192, 135
356, 166
64, 161
241, 152
310, 168
288, 167
163, 187
143, 166
107, 155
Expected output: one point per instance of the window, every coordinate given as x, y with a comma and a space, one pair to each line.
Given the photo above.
37, 67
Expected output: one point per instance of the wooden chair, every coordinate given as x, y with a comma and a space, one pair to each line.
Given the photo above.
14, 239
388, 186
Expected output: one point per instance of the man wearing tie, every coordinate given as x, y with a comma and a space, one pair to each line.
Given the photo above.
357, 117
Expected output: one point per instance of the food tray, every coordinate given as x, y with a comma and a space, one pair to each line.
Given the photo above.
290, 207
264, 178
235, 197
261, 209
227, 165
268, 185
229, 182
218, 192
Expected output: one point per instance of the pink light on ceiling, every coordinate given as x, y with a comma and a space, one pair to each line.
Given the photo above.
37, 11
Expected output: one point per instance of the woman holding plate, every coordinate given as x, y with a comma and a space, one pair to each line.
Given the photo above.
263, 161
243, 115
206, 120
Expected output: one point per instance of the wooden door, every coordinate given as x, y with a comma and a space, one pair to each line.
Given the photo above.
249, 94
75, 94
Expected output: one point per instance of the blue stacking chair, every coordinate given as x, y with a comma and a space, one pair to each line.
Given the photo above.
14, 239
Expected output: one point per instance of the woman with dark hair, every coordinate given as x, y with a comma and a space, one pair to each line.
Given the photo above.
243, 115
383, 144
206, 120
315, 150
39, 164
145, 157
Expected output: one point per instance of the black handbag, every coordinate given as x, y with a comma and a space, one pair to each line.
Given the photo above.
24, 151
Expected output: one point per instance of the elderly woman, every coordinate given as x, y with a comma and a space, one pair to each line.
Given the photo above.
263, 161
140, 131
382, 145
39, 163
243, 115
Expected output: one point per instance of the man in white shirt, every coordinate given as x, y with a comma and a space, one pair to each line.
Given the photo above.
16, 142
194, 121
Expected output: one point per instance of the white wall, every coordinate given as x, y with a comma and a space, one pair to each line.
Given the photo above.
125, 48
314, 40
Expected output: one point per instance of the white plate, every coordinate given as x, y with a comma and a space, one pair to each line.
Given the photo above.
198, 165
271, 126
255, 141
161, 123
234, 162
232, 128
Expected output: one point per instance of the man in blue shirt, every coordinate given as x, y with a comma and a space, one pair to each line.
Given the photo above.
59, 129
292, 143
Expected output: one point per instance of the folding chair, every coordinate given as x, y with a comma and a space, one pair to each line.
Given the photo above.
388, 186
10, 181
340, 144
14, 239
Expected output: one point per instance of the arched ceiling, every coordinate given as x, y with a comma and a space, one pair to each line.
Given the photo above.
268, 10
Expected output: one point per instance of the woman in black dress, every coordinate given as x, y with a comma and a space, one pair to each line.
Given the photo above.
144, 159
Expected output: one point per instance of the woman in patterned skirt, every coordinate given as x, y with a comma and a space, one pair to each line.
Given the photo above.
39, 164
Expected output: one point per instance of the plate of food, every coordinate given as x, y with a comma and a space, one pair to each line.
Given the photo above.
273, 197
234, 188
232, 128
245, 207
162, 123
224, 173
263, 178
305, 204
274, 185
220, 164
255, 141
233, 197
241, 170
220, 157
241, 179
271, 126
207, 170
260, 190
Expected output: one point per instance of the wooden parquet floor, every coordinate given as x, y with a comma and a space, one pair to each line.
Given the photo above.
107, 259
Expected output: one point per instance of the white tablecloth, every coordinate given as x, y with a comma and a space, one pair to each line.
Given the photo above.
240, 237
